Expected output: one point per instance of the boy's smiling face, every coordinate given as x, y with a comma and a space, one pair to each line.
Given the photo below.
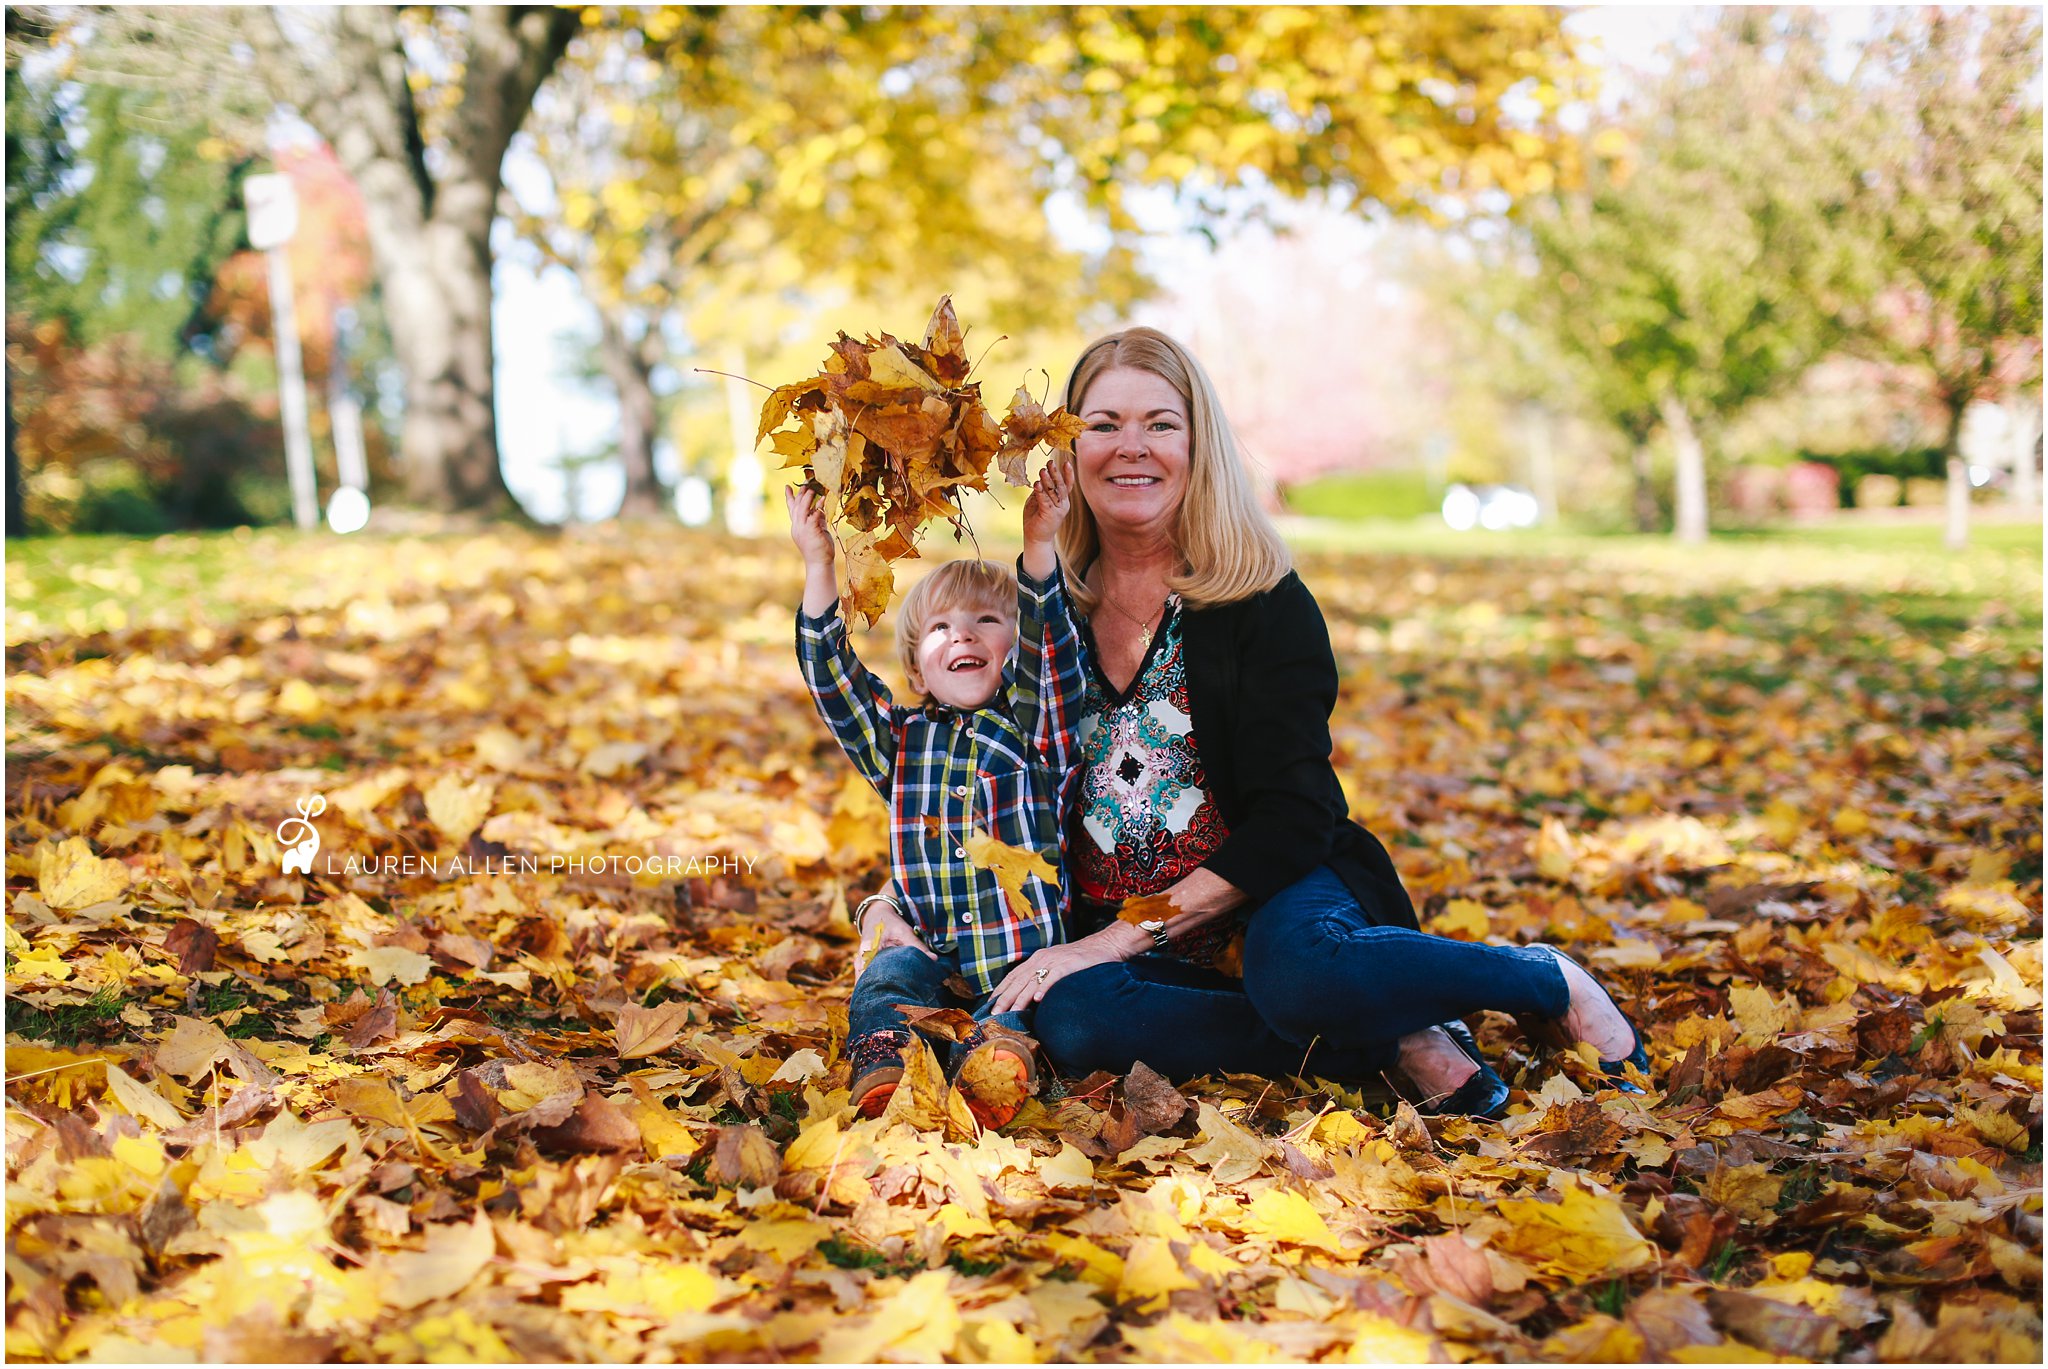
961, 655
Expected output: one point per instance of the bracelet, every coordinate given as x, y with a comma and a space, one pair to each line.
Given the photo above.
860, 910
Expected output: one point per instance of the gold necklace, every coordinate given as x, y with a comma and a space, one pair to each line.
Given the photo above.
1144, 624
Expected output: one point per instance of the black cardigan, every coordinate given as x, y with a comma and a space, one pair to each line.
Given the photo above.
1261, 684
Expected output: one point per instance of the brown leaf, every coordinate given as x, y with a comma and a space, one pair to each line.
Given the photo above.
742, 1157
1120, 1131
1452, 1265
1408, 1130
194, 944
596, 1126
240, 1106
1779, 1327
1304, 1166
1669, 1320
946, 1024
1155, 1104
650, 1031
1572, 1131
475, 1106
1693, 1229
380, 1023
347, 1010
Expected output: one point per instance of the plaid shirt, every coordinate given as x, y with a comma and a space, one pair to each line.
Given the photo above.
1000, 768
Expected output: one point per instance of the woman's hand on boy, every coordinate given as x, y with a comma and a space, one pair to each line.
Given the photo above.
1026, 984
1045, 508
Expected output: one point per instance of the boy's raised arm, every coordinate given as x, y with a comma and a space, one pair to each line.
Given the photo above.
853, 703
1046, 691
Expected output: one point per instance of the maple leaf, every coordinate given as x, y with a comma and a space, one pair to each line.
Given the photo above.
1148, 908
650, 1031
69, 875
870, 581
1010, 866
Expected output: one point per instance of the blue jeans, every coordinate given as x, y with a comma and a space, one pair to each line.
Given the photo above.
906, 975
1325, 992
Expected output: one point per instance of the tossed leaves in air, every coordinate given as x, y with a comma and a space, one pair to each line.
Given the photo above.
890, 433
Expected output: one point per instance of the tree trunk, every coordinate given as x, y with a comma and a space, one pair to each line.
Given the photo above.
629, 363
14, 516
1648, 516
1957, 522
429, 231
437, 288
1691, 460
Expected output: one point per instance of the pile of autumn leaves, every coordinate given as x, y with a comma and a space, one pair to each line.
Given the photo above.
889, 433
567, 1117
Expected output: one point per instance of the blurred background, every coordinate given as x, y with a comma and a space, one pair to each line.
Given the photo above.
1680, 270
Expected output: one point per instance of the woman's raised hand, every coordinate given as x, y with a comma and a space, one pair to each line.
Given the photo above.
807, 526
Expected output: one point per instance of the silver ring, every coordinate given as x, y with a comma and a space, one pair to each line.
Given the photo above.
1040, 976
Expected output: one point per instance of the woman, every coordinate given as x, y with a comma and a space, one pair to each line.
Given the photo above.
1207, 779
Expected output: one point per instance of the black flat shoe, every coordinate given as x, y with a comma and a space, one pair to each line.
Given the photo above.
1551, 1032
1485, 1094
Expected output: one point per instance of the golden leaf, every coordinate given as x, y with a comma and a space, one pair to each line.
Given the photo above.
1581, 1237
69, 875
1011, 867
649, 1031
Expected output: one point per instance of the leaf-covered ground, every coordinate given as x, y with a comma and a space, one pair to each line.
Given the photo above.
1788, 800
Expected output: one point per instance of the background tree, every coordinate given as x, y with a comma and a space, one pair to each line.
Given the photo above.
1949, 205
1686, 282
844, 151
785, 150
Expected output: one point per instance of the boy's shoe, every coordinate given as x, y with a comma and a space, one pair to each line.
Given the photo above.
997, 1074
877, 1061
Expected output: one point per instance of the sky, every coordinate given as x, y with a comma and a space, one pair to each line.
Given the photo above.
544, 411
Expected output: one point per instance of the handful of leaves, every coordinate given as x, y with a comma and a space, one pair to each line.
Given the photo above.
888, 433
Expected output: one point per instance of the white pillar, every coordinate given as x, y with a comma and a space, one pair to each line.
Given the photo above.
743, 477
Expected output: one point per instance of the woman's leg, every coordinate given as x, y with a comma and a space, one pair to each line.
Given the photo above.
1183, 1021
1316, 966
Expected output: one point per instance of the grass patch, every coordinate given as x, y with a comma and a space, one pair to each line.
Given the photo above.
68, 1024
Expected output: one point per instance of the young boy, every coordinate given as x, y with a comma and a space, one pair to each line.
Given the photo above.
987, 752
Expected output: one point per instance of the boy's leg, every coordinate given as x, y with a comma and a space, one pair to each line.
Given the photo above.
875, 1032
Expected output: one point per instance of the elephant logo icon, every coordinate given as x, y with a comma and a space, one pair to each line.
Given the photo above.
300, 849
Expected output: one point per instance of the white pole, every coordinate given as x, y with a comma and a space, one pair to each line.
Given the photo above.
273, 218
743, 479
291, 393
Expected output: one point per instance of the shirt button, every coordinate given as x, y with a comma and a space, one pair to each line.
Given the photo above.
967, 917
959, 791
960, 851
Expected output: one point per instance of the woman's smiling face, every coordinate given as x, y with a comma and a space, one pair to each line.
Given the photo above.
1132, 454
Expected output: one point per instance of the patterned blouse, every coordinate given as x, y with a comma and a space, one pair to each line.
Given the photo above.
1143, 818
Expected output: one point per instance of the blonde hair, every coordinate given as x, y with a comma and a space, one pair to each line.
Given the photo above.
976, 586
1232, 549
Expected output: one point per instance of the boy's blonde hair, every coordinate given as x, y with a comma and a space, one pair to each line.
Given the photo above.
1232, 549
975, 586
